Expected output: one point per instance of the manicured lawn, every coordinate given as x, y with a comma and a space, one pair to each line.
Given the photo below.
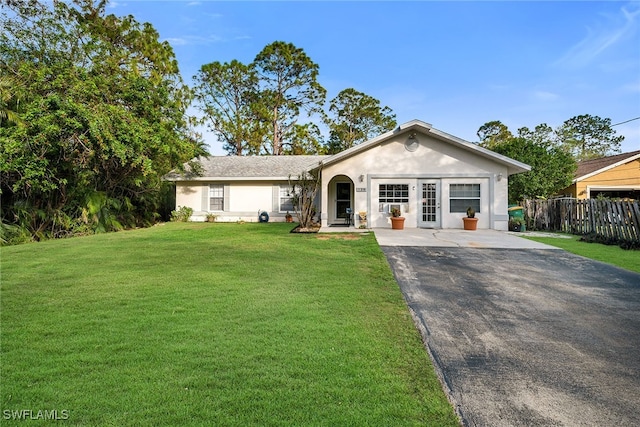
627, 259
212, 324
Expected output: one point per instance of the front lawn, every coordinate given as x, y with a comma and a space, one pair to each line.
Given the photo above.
211, 324
627, 259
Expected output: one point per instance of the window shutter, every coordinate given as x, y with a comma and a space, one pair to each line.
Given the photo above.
227, 200
205, 198
275, 205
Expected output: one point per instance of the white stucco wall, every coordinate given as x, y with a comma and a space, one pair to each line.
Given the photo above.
391, 162
250, 197
244, 200
189, 193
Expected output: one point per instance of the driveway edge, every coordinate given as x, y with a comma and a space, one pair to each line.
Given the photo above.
446, 387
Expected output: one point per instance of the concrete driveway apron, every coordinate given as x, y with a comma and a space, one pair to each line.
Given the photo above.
522, 335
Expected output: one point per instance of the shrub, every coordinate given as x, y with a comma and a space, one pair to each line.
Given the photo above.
182, 214
597, 238
13, 234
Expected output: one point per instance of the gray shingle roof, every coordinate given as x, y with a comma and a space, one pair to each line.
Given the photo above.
259, 167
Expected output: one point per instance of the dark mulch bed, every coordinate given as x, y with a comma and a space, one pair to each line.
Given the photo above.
313, 229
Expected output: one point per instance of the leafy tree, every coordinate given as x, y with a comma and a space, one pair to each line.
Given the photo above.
9, 103
227, 94
552, 168
305, 188
289, 85
588, 137
357, 118
103, 111
305, 139
542, 135
493, 133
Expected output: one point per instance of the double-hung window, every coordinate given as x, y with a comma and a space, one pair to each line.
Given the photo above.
216, 197
286, 198
463, 196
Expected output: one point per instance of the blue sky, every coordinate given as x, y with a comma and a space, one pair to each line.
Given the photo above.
456, 65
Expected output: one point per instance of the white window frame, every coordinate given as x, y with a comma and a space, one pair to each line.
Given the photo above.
216, 192
398, 192
285, 195
468, 195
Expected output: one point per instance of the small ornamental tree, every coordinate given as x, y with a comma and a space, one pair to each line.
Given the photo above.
305, 188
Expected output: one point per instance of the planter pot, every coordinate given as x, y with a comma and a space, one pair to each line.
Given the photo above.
470, 223
289, 218
397, 223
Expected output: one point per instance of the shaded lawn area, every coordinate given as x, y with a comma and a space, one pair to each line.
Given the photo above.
212, 324
611, 254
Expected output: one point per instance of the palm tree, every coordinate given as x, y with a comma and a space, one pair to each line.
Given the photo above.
9, 103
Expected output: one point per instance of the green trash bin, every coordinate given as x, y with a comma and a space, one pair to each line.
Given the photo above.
516, 218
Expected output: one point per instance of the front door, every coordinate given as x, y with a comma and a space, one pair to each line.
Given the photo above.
429, 203
343, 200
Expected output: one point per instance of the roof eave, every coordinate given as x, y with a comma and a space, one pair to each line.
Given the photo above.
513, 166
606, 168
425, 127
228, 178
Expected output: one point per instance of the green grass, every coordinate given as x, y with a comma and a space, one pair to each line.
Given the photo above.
212, 324
627, 259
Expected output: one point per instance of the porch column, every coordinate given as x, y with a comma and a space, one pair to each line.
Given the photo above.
324, 201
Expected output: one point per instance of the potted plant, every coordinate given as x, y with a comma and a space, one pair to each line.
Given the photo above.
470, 221
211, 217
288, 217
363, 219
397, 221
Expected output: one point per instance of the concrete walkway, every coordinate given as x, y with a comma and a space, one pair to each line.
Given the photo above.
455, 239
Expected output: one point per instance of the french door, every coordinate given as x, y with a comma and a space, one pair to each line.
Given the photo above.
429, 203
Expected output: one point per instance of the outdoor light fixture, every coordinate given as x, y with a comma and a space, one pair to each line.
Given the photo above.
361, 177
499, 176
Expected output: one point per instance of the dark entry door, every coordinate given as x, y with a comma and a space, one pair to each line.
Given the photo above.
343, 199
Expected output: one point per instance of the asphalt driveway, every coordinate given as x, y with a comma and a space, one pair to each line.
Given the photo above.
527, 337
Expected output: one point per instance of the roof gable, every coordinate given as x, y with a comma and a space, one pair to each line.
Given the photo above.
513, 166
257, 168
589, 168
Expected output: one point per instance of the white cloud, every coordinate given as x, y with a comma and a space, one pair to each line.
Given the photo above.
632, 87
605, 35
194, 40
542, 95
176, 41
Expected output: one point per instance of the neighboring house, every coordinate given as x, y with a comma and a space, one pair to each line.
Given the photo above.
613, 176
432, 176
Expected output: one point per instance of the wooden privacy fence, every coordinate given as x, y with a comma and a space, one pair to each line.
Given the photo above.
615, 220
